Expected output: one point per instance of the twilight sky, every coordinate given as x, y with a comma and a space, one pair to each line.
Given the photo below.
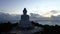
42, 7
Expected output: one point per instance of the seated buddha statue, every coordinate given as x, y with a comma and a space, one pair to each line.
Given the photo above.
24, 22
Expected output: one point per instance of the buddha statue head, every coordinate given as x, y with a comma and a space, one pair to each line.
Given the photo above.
24, 11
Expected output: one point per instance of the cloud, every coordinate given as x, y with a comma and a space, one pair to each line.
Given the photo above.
4, 17
35, 15
7, 17
3, 10
54, 11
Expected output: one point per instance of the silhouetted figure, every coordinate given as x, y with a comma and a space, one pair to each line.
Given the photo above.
24, 22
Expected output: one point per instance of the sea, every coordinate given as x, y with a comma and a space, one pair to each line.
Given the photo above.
54, 22
43, 22
49, 22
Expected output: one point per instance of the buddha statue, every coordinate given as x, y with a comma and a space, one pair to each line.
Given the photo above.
24, 22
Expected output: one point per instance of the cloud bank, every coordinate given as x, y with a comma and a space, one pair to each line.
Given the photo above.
4, 17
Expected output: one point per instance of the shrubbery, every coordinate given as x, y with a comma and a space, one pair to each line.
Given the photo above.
6, 27
48, 29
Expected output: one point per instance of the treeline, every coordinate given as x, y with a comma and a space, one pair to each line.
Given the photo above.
6, 27
48, 29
